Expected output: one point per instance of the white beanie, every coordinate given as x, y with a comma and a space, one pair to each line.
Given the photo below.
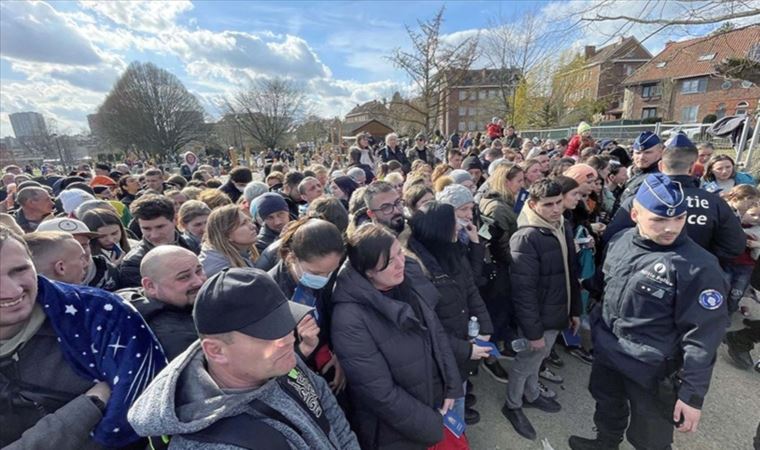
72, 198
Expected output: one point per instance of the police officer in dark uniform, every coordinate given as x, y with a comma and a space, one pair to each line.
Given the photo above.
710, 222
647, 151
657, 331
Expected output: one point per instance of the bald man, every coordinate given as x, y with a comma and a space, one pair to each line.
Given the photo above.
171, 278
58, 256
35, 205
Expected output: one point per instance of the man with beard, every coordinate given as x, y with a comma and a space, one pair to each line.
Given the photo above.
385, 206
647, 152
171, 278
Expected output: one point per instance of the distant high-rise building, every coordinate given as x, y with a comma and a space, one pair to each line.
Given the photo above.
28, 124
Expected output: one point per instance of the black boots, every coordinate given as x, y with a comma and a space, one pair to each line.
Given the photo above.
520, 422
581, 443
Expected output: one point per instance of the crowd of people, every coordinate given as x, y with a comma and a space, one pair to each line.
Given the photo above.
344, 299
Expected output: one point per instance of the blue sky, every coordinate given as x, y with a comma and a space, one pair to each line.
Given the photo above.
61, 58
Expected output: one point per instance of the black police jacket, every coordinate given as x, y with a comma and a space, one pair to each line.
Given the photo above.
710, 222
633, 184
662, 304
130, 265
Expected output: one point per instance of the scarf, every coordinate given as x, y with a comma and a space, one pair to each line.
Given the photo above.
32, 326
529, 218
103, 337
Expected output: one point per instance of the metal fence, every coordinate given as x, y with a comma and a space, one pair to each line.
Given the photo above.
626, 134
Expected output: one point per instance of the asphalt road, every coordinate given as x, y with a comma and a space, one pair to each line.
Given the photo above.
729, 419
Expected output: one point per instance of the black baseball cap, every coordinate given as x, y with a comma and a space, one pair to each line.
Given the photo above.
245, 300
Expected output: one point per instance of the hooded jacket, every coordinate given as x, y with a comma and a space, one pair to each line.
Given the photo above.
545, 288
184, 400
391, 359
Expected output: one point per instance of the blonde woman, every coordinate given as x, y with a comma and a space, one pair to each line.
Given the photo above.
229, 240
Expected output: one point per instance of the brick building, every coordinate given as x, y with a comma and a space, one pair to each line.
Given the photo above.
681, 84
478, 96
601, 75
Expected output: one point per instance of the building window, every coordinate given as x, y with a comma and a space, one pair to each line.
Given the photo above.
473, 94
720, 112
482, 94
462, 95
462, 126
628, 69
662, 64
492, 93
648, 113
746, 84
650, 90
741, 108
473, 126
473, 111
707, 57
726, 85
689, 114
462, 111
694, 85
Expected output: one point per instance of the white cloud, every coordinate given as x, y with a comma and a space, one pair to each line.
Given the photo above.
145, 16
238, 53
37, 32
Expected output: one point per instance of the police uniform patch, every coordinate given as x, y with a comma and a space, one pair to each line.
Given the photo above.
710, 299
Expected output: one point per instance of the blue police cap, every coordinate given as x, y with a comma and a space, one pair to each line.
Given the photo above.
680, 140
645, 141
661, 195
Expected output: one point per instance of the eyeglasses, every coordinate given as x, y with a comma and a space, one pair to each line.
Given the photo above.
388, 208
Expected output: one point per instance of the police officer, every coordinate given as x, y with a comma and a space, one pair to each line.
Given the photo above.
710, 222
657, 331
647, 151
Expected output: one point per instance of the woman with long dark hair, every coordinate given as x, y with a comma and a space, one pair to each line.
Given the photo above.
399, 366
113, 241
444, 260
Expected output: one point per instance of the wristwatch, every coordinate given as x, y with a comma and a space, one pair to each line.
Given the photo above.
97, 402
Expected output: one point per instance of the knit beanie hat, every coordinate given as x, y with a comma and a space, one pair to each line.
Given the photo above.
72, 198
268, 203
102, 180
472, 162
455, 195
347, 185
460, 176
583, 127
580, 172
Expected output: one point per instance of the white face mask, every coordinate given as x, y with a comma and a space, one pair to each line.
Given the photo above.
241, 189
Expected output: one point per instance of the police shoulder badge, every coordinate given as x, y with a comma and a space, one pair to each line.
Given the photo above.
710, 299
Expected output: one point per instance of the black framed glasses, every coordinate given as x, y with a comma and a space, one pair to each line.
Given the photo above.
388, 208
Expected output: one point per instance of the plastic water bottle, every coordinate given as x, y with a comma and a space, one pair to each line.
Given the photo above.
473, 328
520, 345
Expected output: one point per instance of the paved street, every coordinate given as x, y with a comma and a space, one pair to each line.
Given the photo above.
729, 419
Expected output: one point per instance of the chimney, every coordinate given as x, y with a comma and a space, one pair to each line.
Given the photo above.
589, 51
667, 44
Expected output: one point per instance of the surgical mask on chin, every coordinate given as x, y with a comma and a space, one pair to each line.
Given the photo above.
241, 189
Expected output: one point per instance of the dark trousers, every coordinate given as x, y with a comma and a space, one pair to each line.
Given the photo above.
618, 397
746, 338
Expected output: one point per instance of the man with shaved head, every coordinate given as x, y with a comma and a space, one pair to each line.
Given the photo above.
58, 256
171, 278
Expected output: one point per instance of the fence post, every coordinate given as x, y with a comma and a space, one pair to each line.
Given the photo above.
743, 139
752, 143
657, 128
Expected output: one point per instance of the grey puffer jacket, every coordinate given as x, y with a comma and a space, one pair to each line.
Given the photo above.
213, 261
183, 399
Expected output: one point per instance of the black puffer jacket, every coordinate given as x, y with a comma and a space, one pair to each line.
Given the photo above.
130, 265
172, 325
265, 238
539, 293
459, 301
392, 360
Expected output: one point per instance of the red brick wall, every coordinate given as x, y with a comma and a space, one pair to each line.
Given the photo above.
710, 100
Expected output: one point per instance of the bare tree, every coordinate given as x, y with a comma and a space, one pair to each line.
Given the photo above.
517, 50
432, 65
268, 110
149, 110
